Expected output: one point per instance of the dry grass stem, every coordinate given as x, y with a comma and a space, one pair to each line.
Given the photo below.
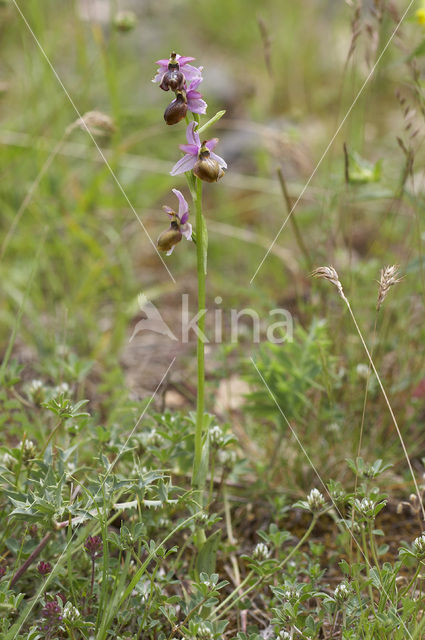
329, 273
96, 122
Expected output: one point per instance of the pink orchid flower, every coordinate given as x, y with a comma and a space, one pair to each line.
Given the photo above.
190, 72
193, 150
179, 225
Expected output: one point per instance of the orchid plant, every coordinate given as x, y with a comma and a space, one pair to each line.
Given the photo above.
199, 164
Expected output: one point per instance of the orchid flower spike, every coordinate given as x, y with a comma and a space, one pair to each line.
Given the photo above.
200, 158
179, 226
175, 72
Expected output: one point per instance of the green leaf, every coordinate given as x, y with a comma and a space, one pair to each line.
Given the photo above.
212, 121
206, 560
418, 52
361, 171
202, 472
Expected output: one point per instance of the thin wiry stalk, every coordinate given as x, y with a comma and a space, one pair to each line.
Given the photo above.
298, 235
384, 393
389, 277
359, 446
329, 273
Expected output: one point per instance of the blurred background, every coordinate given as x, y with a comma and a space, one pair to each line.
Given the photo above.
75, 260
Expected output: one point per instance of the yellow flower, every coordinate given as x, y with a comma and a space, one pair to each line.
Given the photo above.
420, 16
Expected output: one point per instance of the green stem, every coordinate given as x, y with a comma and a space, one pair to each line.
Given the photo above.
201, 261
51, 436
366, 556
373, 549
412, 582
212, 472
151, 596
229, 530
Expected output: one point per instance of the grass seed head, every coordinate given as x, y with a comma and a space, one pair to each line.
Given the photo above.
96, 122
330, 274
389, 277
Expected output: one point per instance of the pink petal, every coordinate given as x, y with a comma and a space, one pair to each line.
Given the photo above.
195, 84
222, 163
183, 206
163, 63
191, 73
211, 144
192, 149
186, 230
183, 60
193, 94
184, 164
196, 105
191, 135
158, 76
168, 211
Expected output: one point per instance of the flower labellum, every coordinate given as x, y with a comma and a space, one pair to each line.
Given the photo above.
206, 168
173, 78
179, 226
174, 72
168, 239
177, 109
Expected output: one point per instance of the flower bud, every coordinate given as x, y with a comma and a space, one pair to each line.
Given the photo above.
176, 110
70, 613
206, 168
419, 547
94, 546
168, 239
342, 592
125, 21
261, 551
315, 500
28, 450
204, 632
44, 568
36, 391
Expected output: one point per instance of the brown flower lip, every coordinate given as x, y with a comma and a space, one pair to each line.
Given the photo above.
206, 168
172, 79
169, 238
176, 110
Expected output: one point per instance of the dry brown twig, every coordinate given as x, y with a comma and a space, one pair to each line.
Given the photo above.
267, 44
